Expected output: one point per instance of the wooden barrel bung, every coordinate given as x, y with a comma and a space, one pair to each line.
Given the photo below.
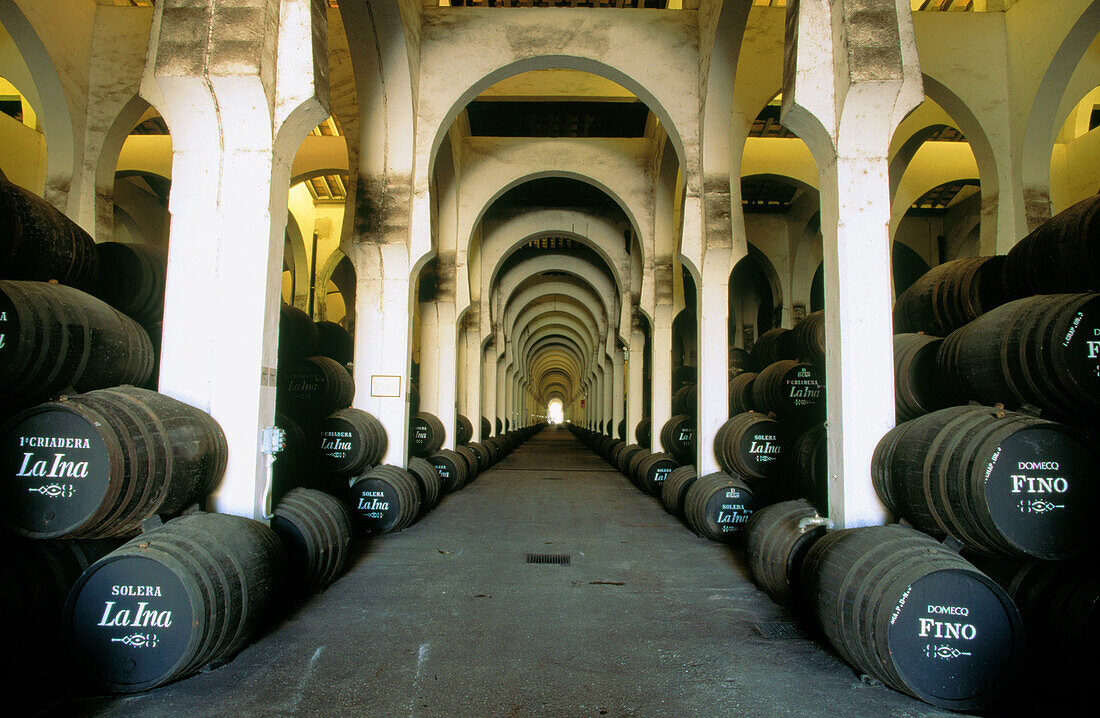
170, 601
351, 440
900, 607
97, 464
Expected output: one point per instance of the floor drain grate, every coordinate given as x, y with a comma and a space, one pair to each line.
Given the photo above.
779, 630
559, 559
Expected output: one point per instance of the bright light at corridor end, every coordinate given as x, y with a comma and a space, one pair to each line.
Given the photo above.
555, 411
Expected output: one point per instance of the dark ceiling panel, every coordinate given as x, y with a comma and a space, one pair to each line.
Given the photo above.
489, 118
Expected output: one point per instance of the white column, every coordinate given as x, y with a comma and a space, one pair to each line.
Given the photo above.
438, 358
845, 98
635, 389
617, 395
713, 359
382, 344
469, 380
488, 389
661, 363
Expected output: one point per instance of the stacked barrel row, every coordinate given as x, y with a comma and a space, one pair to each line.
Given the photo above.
775, 437
715, 506
894, 603
1015, 487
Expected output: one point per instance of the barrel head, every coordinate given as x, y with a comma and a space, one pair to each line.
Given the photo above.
56, 472
727, 511
375, 504
955, 639
132, 624
1041, 486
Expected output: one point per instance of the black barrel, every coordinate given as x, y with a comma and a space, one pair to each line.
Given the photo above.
652, 471
683, 376
486, 428
1059, 603
298, 336
484, 457
675, 488
918, 386
39, 243
741, 392
777, 538
642, 431
635, 461
717, 506
315, 529
624, 457
452, 469
294, 465
351, 440
773, 345
949, 295
739, 361
313, 387
173, 600
1043, 351
809, 338
897, 605
431, 485
97, 464
751, 445
131, 279
426, 434
57, 338
678, 438
384, 499
334, 342
499, 427
464, 430
1000, 482
684, 400
1060, 256
793, 390
470, 458
811, 464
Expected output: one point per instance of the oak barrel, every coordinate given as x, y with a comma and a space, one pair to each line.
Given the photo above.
131, 279
717, 506
351, 440
897, 605
1000, 482
384, 499
777, 538
97, 464
452, 469
751, 445
431, 485
315, 529
55, 338
313, 387
172, 600
675, 489
949, 295
678, 438
652, 471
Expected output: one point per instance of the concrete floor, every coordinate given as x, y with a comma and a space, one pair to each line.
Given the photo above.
447, 619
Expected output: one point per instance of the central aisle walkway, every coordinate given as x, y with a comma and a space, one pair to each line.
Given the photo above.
447, 619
